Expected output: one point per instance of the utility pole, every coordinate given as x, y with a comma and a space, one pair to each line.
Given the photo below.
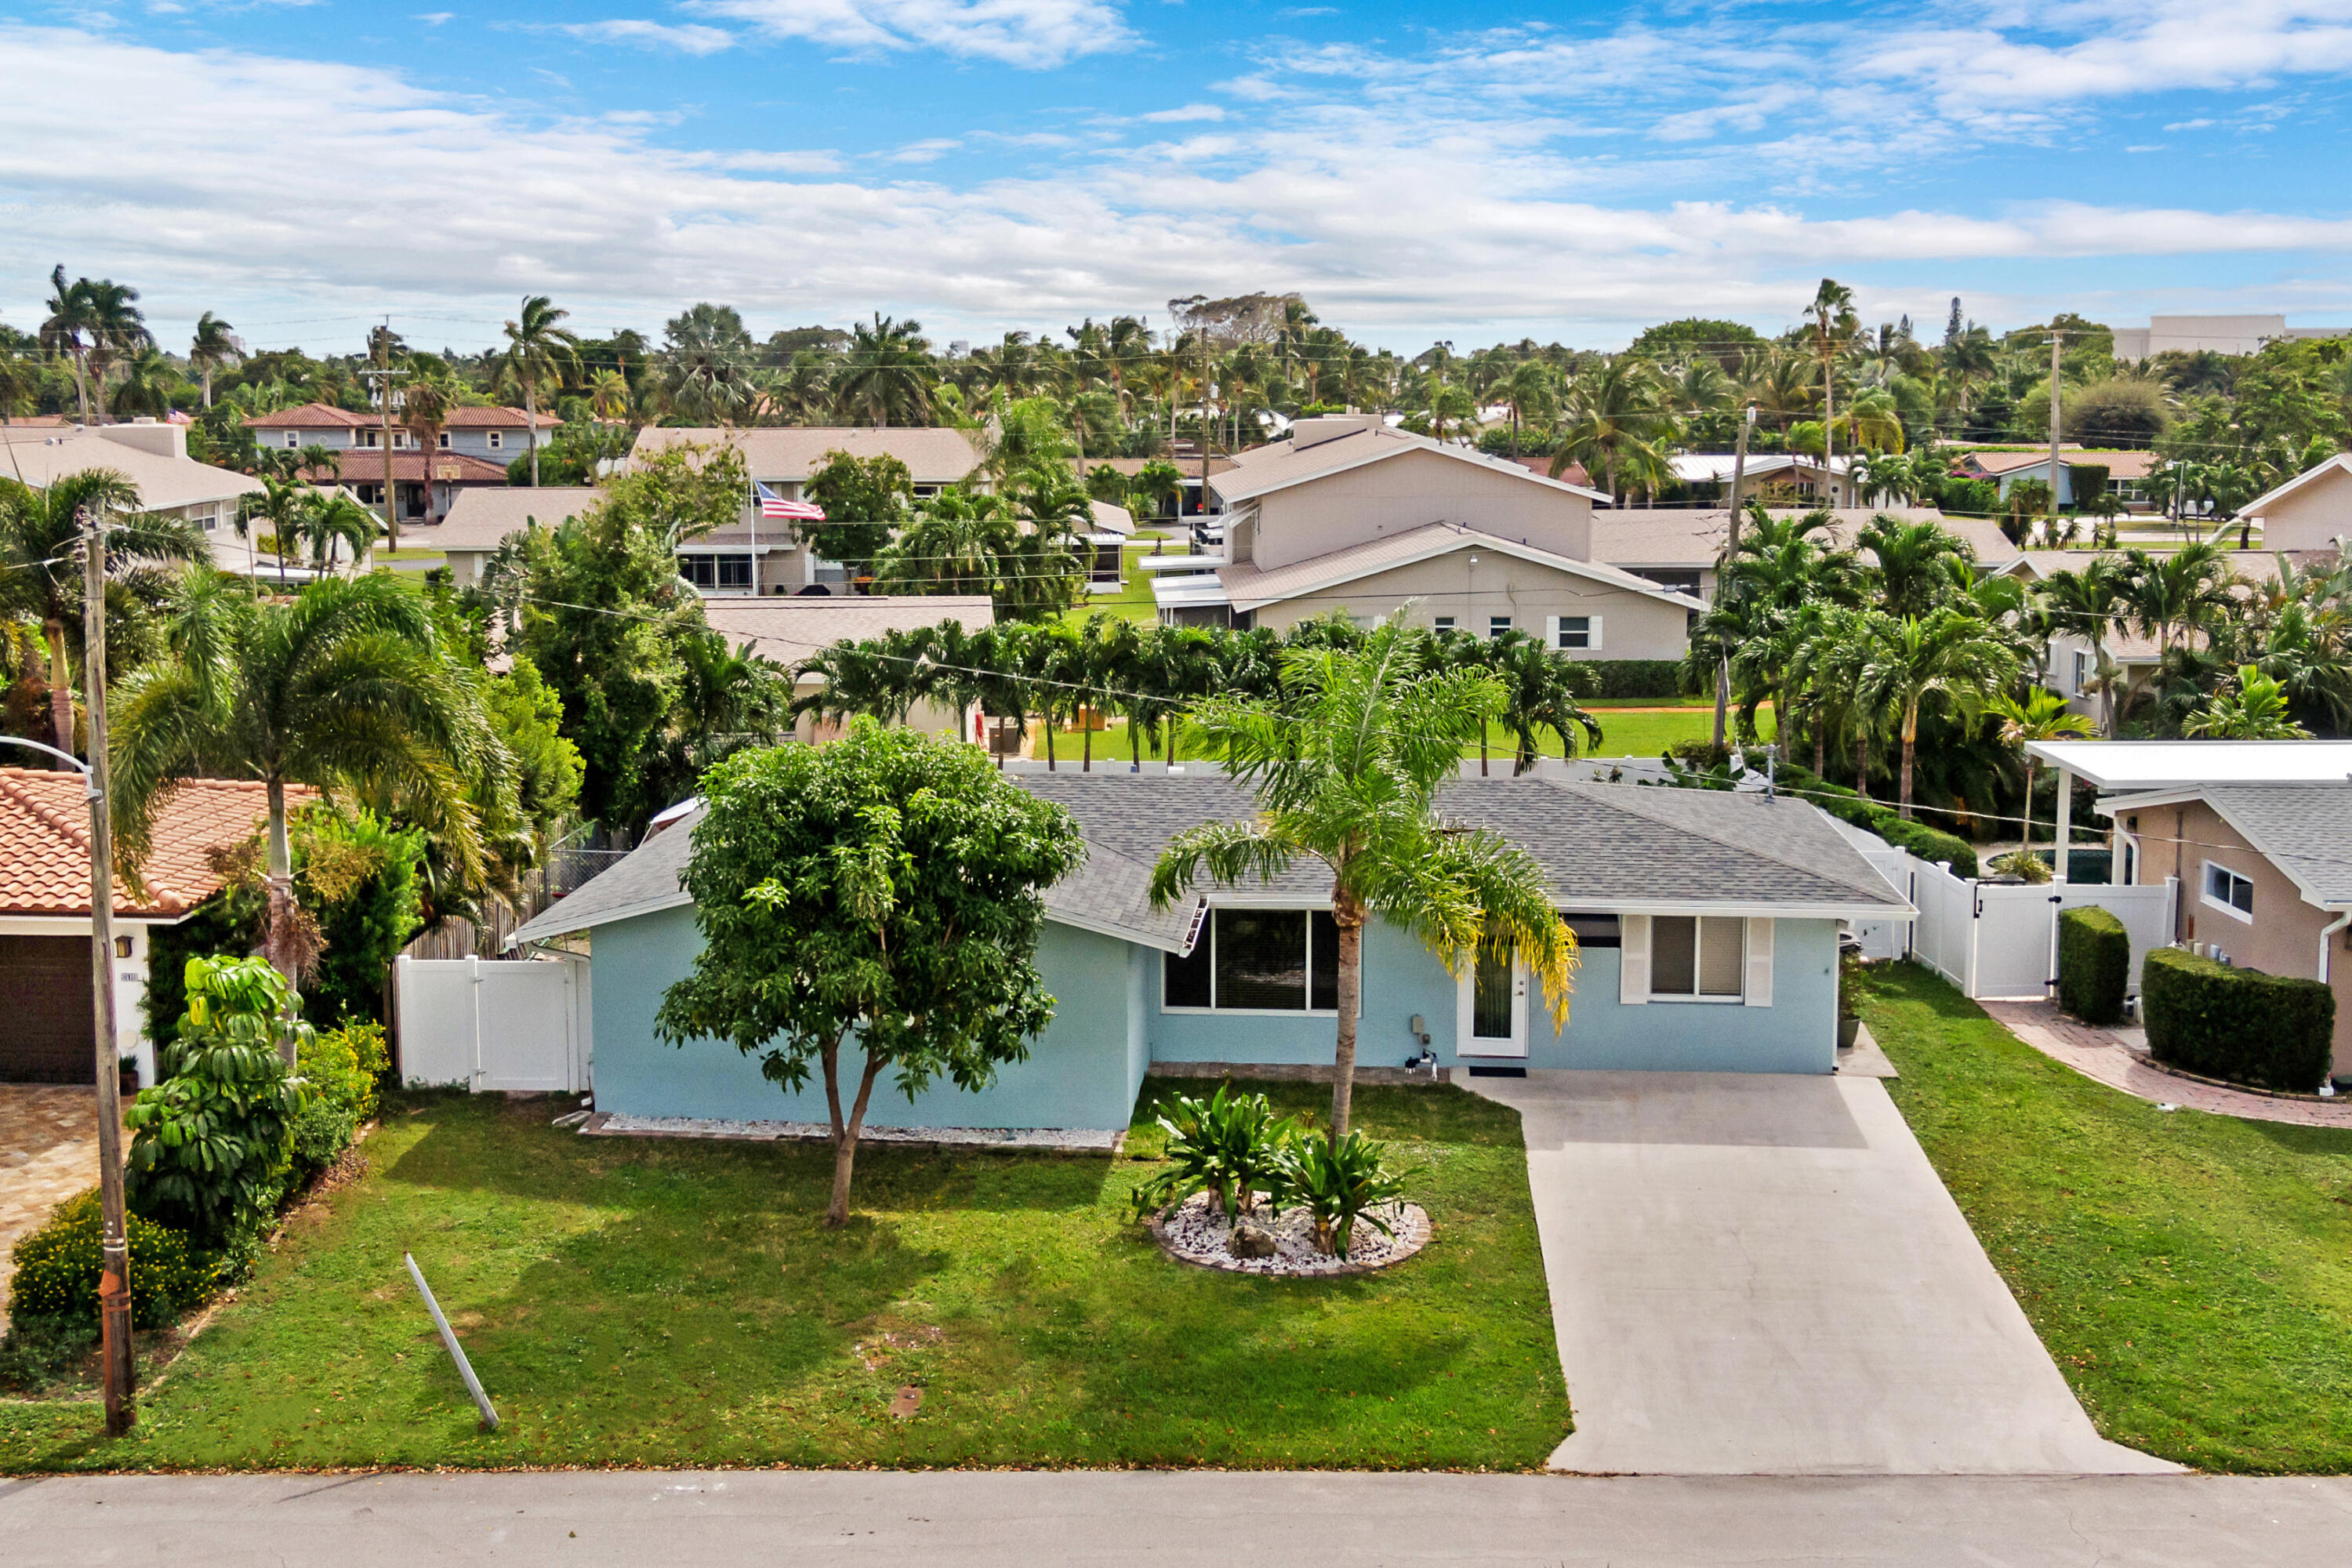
382, 377
2057, 342
114, 1282
1723, 571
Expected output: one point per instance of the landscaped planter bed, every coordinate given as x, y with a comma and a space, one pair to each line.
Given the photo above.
1196, 1231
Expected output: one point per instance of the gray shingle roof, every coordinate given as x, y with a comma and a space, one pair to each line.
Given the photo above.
1603, 846
2303, 829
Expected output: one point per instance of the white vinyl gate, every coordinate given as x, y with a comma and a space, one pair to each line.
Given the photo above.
511, 1025
2000, 940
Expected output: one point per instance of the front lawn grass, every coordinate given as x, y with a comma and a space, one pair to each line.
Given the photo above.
2192, 1275
656, 1302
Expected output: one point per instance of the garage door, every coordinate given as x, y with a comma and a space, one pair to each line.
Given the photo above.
45, 1017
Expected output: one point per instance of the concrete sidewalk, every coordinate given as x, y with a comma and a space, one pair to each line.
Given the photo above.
1761, 1274
1174, 1520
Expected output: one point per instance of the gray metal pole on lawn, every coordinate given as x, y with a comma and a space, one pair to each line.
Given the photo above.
449, 1338
114, 1280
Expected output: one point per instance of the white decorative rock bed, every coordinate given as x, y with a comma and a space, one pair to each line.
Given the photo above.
1197, 1231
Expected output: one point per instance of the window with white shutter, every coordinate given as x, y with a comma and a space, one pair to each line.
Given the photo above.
1634, 961
1760, 964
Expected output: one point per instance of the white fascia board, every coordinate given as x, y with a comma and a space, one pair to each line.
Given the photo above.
1471, 539
1123, 933
1860, 910
542, 928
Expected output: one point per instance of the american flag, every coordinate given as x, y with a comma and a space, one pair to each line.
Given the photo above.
773, 505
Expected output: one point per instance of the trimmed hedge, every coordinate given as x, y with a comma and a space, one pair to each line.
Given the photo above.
1927, 843
2093, 963
2240, 1025
1634, 677
58, 1266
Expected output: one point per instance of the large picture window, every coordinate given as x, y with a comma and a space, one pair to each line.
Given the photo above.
716, 570
1258, 961
1698, 957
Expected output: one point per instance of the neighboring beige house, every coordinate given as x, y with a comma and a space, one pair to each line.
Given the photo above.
1351, 516
2127, 472
783, 459
1776, 476
154, 458
1681, 547
789, 630
482, 519
2312, 511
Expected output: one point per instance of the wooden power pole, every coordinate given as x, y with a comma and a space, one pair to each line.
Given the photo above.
382, 377
114, 1282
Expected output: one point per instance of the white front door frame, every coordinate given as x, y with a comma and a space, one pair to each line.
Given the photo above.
1466, 1044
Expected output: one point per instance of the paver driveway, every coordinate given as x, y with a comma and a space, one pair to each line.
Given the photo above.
1761, 1273
49, 1151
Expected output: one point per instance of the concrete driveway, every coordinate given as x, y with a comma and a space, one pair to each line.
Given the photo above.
1761, 1274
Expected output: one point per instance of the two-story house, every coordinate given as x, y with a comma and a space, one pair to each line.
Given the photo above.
767, 555
471, 450
153, 455
1352, 515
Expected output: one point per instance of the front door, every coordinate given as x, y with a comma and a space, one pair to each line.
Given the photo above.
1494, 1008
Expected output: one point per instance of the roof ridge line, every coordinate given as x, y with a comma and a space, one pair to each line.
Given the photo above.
1700, 833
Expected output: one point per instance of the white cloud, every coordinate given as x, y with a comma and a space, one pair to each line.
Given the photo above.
1188, 111
433, 19
1029, 33
692, 39
2189, 125
219, 182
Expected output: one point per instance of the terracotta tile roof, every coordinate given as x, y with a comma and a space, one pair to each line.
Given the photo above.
364, 465
495, 419
311, 416
44, 842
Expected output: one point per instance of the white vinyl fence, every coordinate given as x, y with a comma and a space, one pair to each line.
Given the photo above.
510, 1024
2000, 940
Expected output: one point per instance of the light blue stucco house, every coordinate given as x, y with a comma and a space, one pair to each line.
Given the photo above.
1708, 924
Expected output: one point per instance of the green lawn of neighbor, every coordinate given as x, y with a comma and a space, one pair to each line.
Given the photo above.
673, 1302
2190, 1274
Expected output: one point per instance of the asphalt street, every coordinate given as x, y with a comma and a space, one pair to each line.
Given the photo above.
1020, 1520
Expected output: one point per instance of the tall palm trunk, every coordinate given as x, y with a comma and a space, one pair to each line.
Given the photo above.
61, 721
1910, 744
1048, 717
81, 385
530, 412
1348, 914
209, 386
1862, 760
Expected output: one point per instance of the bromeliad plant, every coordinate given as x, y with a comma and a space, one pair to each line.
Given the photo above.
1229, 1147
208, 1147
1342, 1183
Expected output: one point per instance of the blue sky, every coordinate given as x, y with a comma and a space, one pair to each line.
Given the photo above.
1472, 173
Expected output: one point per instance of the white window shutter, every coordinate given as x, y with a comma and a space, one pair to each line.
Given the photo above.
1634, 961
1593, 641
1552, 631
1760, 964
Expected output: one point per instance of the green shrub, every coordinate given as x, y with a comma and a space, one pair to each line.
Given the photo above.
58, 1266
318, 1134
40, 1352
2025, 867
2093, 963
1228, 1146
360, 880
208, 1146
1341, 1186
1925, 842
2237, 1024
346, 1065
1624, 677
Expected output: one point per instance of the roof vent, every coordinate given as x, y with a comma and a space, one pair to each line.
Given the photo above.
1325, 427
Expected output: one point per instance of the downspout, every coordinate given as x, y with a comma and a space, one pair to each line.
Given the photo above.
2326, 931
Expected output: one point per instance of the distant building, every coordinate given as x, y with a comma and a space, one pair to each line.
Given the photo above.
474, 447
2211, 334
154, 458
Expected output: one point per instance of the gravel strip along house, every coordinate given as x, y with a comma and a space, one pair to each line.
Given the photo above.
1708, 925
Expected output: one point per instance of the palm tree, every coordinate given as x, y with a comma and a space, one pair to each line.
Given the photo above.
1951, 658
280, 504
347, 684
68, 329
40, 561
327, 518
1528, 393
1346, 772
424, 409
610, 398
539, 348
1919, 564
1540, 688
1834, 324
1614, 420
2257, 711
2085, 603
213, 346
117, 330
888, 373
2043, 716
148, 382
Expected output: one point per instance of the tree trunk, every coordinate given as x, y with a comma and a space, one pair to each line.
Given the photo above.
1482, 747
1910, 744
530, 412
62, 722
278, 939
1086, 738
845, 1142
1821, 741
1348, 914
209, 386
1047, 716
81, 386
1862, 760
